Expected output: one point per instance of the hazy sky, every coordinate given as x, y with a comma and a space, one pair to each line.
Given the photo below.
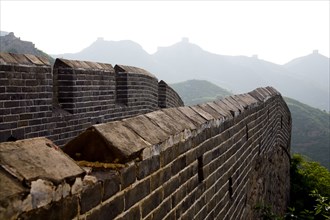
277, 31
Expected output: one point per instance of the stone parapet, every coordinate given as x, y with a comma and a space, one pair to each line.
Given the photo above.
215, 160
37, 100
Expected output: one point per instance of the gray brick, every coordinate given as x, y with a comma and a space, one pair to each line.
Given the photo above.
91, 197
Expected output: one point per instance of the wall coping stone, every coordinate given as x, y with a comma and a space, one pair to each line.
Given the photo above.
147, 135
86, 65
23, 59
133, 69
37, 158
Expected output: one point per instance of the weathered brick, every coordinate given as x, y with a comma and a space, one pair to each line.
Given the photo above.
133, 213
91, 197
66, 208
148, 166
169, 155
128, 176
171, 186
135, 194
109, 210
160, 178
110, 187
162, 211
151, 202
178, 165
179, 195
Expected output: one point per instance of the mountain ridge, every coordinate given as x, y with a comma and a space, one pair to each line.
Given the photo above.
185, 60
12, 44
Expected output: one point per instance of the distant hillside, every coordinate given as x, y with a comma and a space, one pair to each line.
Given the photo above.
313, 67
199, 91
310, 132
310, 129
184, 61
12, 44
114, 52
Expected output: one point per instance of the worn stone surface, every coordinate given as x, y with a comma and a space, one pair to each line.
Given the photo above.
179, 117
37, 158
10, 187
194, 116
202, 112
209, 109
148, 166
143, 126
128, 176
91, 197
64, 209
122, 138
136, 193
165, 122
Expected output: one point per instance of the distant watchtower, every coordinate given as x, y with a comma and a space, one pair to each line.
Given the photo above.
315, 51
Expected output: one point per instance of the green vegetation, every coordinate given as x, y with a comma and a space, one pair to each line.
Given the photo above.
50, 59
199, 91
310, 188
310, 132
310, 193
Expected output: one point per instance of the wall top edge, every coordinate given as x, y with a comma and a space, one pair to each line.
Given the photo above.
23, 59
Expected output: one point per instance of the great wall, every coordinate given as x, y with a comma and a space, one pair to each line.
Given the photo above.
130, 149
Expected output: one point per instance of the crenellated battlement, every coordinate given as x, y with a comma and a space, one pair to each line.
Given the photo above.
60, 101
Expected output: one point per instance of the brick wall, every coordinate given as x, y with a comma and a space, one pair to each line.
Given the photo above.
25, 96
216, 160
167, 97
61, 102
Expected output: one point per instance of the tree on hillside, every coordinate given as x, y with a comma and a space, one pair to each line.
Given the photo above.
310, 189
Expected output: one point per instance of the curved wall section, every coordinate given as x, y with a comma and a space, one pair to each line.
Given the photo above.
167, 97
217, 160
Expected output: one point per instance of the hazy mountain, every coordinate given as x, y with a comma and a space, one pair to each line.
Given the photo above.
310, 132
310, 126
184, 60
12, 44
236, 73
313, 67
199, 91
114, 52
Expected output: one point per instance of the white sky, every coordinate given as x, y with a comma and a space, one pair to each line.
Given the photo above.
277, 31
